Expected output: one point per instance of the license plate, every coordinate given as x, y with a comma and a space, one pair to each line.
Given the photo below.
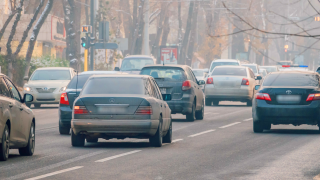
163, 90
288, 98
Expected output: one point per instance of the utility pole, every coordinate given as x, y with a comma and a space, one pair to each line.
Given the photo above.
146, 50
92, 50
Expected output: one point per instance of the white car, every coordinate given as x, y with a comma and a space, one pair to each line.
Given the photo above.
230, 83
47, 84
223, 62
200, 75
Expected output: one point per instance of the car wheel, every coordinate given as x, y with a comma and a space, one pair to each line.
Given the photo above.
156, 140
200, 114
77, 140
267, 126
208, 102
257, 127
37, 105
5, 144
168, 137
215, 103
92, 140
191, 116
64, 130
29, 149
28, 105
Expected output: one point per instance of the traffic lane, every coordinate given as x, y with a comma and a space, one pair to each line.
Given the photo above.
46, 116
234, 152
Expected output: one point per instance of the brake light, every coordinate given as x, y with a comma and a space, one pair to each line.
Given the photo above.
64, 99
286, 66
210, 80
245, 81
263, 96
313, 97
144, 110
80, 110
186, 85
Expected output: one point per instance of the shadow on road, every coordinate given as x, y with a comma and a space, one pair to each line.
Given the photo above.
292, 131
180, 120
226, 105
128, 145
47, 107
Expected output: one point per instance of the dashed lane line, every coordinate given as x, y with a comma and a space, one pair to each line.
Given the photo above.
55, 173
176, 140
117, 156
232, 124
250, 119
204, 132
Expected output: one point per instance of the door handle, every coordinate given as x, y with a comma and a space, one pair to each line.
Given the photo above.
10, 105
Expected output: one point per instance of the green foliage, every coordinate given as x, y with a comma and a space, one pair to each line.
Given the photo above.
49, 61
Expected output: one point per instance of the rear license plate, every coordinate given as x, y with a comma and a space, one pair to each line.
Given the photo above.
163, 90
288, 99
166, 97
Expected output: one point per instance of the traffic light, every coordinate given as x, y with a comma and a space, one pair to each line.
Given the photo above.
317, 18
286, 47
85, 42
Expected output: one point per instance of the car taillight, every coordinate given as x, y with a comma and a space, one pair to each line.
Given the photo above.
245, 81
64, 99
186, 85
210, 80
80, 110
263, 96
144, 110
313, 97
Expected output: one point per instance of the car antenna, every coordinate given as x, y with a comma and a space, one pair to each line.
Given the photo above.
163, 62
77, 84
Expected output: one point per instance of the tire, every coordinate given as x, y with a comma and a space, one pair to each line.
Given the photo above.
37, 105
64, 130
208, 102
29, 149
215, 103
5, 144
28, 105
191, 116
156, 140
168, 137
267, 126
200, 114
77, 140
257, 127
92, 140
249, 103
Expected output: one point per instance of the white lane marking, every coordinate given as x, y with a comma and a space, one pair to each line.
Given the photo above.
194, 135
211, 113
55, 173
229, 125
176, 140
248, 119
116, 156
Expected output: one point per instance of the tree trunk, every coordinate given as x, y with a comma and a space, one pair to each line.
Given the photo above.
127, 22
155, 46
186, 35
7, 23
193, 35
136, 30
166, 30
35, 34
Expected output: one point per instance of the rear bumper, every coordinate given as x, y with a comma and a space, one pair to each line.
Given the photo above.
65, 115
183, 105
286, 114
242, 93
115, 128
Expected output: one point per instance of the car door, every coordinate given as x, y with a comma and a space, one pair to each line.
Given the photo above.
21, 123
5, 99
196, 87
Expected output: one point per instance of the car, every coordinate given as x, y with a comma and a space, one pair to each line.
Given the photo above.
17, 121
200, 75
71, 93
318, 70
230, 83
287, 98
263, 72
121, 106
270, 68
179, 88
254, 67
223, 62
47, 84
133, 64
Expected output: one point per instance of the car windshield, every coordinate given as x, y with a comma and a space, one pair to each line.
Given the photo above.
135, 64
269, 69
198, 72
229, 72
114, 85
168, 73
253, 67
51, 75
215, 64
291, 79
264, 73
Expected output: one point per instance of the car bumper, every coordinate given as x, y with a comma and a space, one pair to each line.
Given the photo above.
242, 93
45, 98
65, 115
287, 114
183, 105
115, 128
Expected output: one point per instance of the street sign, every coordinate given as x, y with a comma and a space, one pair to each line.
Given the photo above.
105, 45
104, 31
168, 54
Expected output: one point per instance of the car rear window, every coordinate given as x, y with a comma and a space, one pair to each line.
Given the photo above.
291, 79
253, 67
229, 72
81, 79
135, 64
198, 72
269, 69
167, 73
215, 64
114, 85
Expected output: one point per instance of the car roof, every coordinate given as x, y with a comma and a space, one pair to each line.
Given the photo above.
138, 56
268, 66
100, 72
230, 67
225, 60
54, 68
167, 65
249, 64
121, 75
293, 71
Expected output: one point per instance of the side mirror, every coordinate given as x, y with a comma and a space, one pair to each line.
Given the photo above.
259, 77
26, 78
27, 98
117, 69
257, 87
201, 82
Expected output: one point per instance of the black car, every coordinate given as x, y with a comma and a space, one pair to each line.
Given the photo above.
287, 98
72, 92
180, 88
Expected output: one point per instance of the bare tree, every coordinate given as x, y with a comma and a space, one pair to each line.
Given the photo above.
14, 11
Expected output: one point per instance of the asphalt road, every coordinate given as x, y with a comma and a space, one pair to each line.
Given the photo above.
222, 146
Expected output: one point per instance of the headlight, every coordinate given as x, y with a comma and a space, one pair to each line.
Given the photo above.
27, 89
63, 88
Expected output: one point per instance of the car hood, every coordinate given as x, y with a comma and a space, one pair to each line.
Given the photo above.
51, 83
